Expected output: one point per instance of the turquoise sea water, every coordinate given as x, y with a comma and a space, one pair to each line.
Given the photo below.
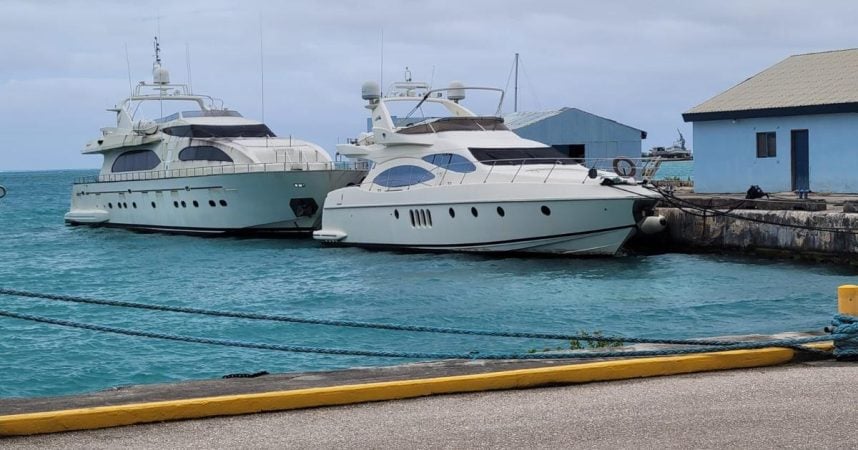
675, 169
667, 295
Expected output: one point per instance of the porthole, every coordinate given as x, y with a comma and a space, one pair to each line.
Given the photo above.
124, 205
546, 210
175, 204
452, 212
501, 211
223, 203
184, 205
134, 204
474, 211
119, 205
153, 204
396, 213
196, 204
110, 205
212, 203
411, 215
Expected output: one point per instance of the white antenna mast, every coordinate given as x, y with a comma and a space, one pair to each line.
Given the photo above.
381, 70
515, 98
261, 70
128, 65
188, 62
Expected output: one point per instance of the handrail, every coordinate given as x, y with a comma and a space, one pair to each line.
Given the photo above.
222, 170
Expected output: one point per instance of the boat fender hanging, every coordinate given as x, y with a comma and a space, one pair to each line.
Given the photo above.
624, 167
652, 224
593, 173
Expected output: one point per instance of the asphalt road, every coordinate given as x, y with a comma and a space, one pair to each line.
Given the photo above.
808, 405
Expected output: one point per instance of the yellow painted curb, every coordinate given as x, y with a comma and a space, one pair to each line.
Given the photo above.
112, 416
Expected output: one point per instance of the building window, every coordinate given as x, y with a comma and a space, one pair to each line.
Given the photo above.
767, 145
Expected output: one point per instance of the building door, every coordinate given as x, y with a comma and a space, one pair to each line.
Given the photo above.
800, 159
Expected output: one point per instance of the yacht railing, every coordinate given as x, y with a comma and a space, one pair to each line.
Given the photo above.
223, 170
464, 173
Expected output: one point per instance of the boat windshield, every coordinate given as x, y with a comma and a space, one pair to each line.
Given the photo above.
456, 124
517, 156
220, 131
199, 113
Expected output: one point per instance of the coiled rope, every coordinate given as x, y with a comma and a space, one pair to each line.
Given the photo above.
846, 346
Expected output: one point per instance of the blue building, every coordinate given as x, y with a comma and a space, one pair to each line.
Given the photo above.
578, 133
792, 126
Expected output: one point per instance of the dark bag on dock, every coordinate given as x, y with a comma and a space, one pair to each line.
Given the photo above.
755, 192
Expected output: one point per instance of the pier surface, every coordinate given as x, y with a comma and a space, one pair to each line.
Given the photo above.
804, 405
822, 228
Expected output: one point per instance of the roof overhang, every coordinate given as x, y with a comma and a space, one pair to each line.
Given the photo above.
833, 108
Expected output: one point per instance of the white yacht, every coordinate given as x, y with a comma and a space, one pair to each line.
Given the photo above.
466, 183
203, 169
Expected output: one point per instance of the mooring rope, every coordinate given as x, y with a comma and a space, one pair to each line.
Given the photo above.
796, 344
357, 324
846, 347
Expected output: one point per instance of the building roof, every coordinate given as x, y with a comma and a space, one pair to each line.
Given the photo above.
518, 120
812, 83
525, 118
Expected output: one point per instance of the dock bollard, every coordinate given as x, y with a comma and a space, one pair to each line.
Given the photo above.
846, 322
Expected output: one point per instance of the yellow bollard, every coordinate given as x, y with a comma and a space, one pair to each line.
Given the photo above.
847, 300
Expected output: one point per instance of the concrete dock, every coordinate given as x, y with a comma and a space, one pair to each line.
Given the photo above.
267, 393
804, 405
822, 228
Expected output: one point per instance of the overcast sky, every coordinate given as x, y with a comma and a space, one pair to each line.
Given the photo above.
640, 63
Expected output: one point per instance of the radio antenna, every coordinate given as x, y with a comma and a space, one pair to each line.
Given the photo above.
261, 70
128, 65
381, 69
188, 62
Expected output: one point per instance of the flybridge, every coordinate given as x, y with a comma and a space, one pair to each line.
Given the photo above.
421, 94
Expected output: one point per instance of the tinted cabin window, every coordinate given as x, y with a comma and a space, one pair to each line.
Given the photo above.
451, 161
516, 156
136, 160
219, 131
403, 176
203, 153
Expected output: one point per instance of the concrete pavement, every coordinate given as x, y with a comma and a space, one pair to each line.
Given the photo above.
811, 404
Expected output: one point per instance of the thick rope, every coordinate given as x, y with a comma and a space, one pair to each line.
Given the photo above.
355, 324
785, 343
846, 327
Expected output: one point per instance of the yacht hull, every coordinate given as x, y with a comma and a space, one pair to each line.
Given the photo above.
283, 202
549, 224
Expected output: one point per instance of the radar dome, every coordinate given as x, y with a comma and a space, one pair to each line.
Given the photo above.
456, 91
370, 91
160, 75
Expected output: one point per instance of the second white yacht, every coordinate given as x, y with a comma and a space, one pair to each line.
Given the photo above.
466, 183
204, 169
